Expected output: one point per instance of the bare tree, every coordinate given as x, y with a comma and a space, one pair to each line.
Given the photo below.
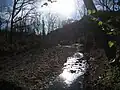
105, 4
80, 8
37, 22
51, 21
108, 5
5, 15
18, 6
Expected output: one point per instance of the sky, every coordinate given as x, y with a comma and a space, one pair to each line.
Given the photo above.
8, 2
60, 7
64, 8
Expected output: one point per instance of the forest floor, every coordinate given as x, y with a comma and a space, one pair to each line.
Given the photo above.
36, 69
97, 73
33, 69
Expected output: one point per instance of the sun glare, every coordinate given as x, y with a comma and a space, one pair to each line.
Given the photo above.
62, 7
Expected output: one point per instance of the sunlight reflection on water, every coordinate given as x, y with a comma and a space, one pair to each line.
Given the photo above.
73, 68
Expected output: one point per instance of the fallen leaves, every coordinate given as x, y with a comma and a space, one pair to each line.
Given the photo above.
36, 69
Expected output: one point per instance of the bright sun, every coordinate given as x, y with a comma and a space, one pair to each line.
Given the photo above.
63, 7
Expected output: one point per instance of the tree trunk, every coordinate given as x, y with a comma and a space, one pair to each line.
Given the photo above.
43, 32
89, 5
103, 5
49, 24
113, 5
0, 28
6, 31
0, 24
14, 5
106, 4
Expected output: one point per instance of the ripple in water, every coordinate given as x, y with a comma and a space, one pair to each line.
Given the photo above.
73, 68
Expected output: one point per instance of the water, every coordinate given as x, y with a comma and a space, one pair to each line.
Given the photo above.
73, 74
73, 68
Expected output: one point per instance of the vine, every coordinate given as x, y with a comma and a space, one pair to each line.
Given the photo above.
105, 26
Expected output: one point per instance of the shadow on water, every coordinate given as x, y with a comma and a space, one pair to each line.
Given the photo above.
73, 74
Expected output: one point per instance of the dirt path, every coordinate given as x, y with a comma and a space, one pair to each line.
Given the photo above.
35, 70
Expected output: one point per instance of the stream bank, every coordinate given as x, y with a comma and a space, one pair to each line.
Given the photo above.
98, 68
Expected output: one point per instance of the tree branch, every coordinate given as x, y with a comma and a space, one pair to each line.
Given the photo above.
23, 16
